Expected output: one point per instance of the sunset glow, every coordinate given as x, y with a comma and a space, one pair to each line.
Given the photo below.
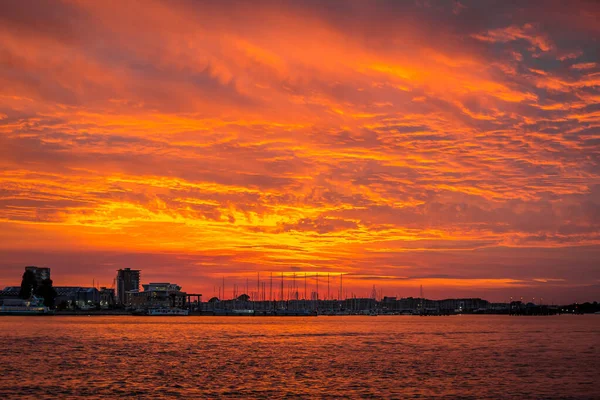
454, 145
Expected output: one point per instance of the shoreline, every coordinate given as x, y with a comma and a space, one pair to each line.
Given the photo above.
209, 314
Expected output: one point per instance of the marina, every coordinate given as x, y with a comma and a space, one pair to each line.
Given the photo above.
281, 297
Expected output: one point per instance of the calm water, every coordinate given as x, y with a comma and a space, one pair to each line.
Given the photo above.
257, 357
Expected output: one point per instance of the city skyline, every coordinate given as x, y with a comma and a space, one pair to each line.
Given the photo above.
286, 286
452, 145
285, 292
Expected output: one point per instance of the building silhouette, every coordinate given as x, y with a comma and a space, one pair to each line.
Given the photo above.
107, 297
158, 295
127, 280
40, 273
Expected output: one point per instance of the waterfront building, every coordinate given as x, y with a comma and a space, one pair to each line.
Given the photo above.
40, 273
68, 296
389, 304
128, 280
463, 305
77, 297
107, 297
9, 293
158, 295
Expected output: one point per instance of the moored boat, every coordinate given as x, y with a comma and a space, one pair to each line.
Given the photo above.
33, 306
166, 312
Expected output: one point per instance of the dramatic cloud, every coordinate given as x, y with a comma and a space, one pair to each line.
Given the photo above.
454, 145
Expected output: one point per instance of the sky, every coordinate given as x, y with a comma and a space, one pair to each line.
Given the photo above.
453, 145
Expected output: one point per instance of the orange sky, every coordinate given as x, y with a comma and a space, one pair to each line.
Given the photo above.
454, 145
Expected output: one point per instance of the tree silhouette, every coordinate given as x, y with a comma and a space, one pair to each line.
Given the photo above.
28, 285
47, 292
243, 297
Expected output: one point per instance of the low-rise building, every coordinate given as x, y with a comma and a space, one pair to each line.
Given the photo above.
463, 305
107, 297
158, 295
77, 296
9, 293
66, 296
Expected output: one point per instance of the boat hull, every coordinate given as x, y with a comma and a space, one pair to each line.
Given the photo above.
168, 313
25, 313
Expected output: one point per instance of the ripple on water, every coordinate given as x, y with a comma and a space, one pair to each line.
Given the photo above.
206, 357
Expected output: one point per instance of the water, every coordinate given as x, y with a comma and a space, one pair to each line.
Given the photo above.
269, 357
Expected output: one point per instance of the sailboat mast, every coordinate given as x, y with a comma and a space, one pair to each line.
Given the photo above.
305, 286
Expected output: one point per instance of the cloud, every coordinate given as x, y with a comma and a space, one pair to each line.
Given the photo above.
512, 33
430, 144
589, 65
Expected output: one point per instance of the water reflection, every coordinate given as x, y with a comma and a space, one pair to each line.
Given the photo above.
253, 357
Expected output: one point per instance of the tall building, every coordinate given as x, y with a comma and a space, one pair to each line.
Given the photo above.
40, 273
127, 280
